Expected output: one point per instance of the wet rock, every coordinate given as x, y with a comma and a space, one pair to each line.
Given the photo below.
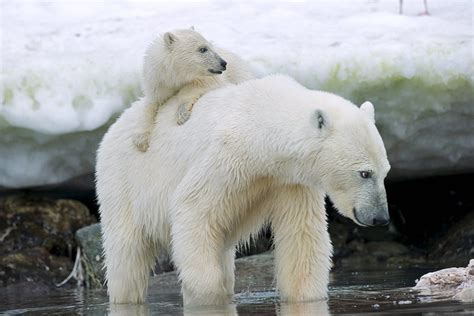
379, 233
457, 283
27, 222
89, 239
37, 238
339, 233
348, 238
163, 264
252, 272
373, 254
457, 245
255, 271
414, 259
385, 249
35, 265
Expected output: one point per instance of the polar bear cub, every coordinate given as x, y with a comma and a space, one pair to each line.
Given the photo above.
185, 64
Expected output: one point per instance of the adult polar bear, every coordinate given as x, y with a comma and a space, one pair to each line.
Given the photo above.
264, 151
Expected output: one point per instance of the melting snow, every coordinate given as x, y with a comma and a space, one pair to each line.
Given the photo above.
69, 68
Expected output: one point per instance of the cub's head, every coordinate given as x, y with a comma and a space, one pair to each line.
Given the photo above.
191, 53
354, 162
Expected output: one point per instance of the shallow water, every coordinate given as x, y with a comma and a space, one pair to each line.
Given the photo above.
377, 292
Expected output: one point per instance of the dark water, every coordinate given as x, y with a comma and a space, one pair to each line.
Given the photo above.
361, 292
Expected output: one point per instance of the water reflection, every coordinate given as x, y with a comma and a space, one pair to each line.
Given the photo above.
224, 310
319, 308
386, 292
304, 308
129, 310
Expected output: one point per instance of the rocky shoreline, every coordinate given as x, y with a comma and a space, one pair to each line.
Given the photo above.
37, 239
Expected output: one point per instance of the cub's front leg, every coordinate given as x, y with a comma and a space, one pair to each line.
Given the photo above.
141, 137
189, 95
184, 110
142, 141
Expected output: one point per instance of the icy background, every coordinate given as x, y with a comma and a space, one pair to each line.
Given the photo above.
68, 68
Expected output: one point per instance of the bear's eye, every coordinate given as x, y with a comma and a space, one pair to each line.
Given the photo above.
202, 49
365, 174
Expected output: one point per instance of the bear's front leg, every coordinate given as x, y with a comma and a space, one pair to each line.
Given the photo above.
303, 249
197, 253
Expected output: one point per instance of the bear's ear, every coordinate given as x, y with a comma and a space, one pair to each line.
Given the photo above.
320, 120
368, 109
192, 28
170, 39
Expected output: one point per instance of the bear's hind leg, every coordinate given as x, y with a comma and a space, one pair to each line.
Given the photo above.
197, 253
129, 258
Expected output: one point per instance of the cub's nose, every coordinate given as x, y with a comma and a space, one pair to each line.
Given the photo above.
223, 64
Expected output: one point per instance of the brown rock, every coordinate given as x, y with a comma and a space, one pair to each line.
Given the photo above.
37, 238
34, 265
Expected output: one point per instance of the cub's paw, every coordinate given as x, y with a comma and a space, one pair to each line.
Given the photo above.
184, 113
142, 141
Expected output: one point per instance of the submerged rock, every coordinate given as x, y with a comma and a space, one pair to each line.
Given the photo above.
455, 282
37, 238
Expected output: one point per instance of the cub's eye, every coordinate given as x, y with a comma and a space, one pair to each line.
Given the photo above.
203, 49
365, 174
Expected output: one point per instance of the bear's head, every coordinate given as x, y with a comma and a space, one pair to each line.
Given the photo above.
190, 53
348, 159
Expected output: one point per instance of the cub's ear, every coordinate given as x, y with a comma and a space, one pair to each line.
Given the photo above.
170, 39
319, 120
368, 109
192, 28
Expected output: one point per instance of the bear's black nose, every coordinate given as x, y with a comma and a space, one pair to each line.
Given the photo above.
381, 221
223, 63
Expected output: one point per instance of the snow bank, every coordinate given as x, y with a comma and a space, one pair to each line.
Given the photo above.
69, 68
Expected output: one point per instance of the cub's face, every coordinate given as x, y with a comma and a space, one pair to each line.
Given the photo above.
193, 54
357, 165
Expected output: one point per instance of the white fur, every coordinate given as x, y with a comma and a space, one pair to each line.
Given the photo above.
264, 151
173, 65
